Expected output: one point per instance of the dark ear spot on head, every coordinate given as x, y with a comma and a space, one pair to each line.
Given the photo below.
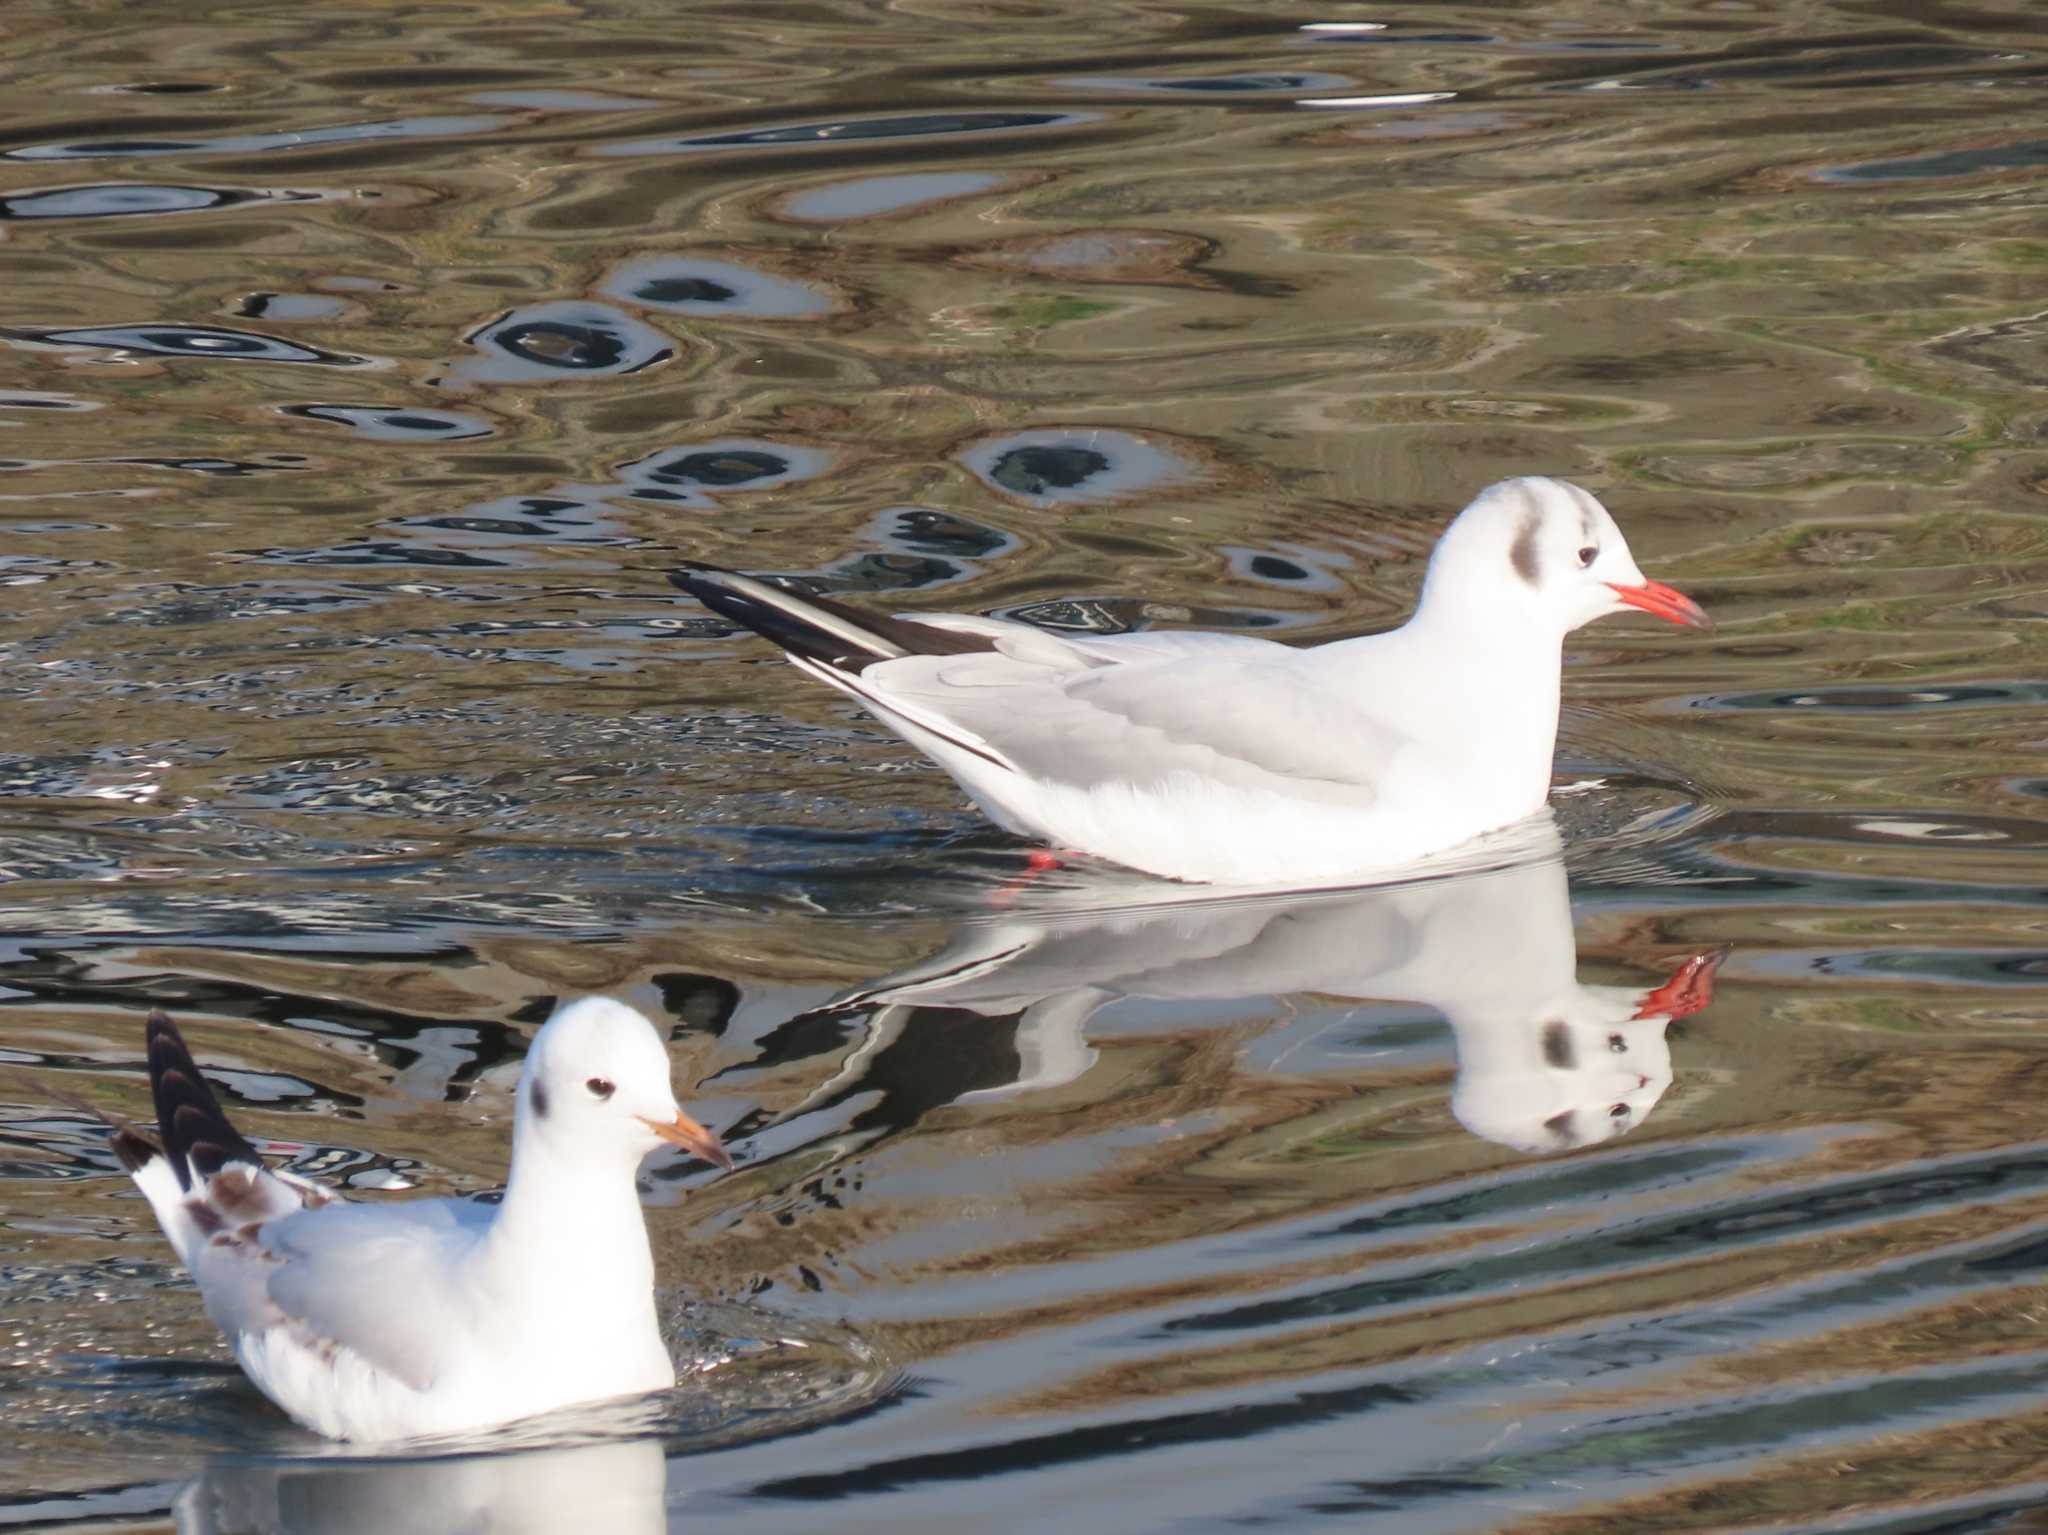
1560, 1125
539, 1097
1523, 555
1557, 1046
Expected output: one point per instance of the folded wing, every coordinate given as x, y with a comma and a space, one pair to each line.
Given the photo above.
1086, 710
1239, 713
319, 1280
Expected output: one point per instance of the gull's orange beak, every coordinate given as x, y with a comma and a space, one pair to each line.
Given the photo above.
1656, 597
685, 1132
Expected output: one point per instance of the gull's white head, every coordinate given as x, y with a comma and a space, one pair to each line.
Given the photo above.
595, 1089
1545, 550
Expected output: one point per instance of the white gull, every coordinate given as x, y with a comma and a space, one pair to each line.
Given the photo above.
390, 1321
1228, 759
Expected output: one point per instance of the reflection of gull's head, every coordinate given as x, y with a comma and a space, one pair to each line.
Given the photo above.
1549, 1076
615, 1486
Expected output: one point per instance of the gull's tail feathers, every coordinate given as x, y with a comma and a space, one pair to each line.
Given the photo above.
819, 629
208, 1184
197, 1137
197, 1172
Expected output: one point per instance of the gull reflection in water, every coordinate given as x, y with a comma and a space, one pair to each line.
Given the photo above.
1545, 1063
618, 1487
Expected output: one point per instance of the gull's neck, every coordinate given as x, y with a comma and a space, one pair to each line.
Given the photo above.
1472, 681
585, 1215
569, 1241
1499, 672
1461, 651
1490, 616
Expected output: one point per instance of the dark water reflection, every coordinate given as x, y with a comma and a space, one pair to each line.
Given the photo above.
357, 721
209, 341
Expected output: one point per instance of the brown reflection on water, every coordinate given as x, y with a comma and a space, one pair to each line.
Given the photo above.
1768, 279
1963, 1470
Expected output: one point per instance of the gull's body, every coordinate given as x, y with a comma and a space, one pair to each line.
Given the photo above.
388, 1321
1229, 759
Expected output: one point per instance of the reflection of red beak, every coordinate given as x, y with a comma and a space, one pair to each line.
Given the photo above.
1656, 597
1690, 988
685, 1132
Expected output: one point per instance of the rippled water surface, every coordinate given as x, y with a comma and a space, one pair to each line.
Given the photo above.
363, 369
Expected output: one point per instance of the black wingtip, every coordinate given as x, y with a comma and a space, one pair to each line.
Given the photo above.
684, 576
696, 577
196, 1132
702, 582
786, 627
816, 627
134, 1149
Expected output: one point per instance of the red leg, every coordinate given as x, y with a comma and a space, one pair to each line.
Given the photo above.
1038, 862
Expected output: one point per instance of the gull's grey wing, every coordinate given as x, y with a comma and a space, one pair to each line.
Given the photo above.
1241, 714
382, 1281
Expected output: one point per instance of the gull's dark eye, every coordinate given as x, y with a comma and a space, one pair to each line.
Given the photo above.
1619, 1111
599, 1087
1587, 556
1617, 1044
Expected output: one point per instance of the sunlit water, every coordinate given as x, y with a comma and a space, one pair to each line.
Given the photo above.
362, 370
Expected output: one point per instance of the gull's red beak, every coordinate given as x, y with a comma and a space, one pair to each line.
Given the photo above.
685, 1132
1656, 597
